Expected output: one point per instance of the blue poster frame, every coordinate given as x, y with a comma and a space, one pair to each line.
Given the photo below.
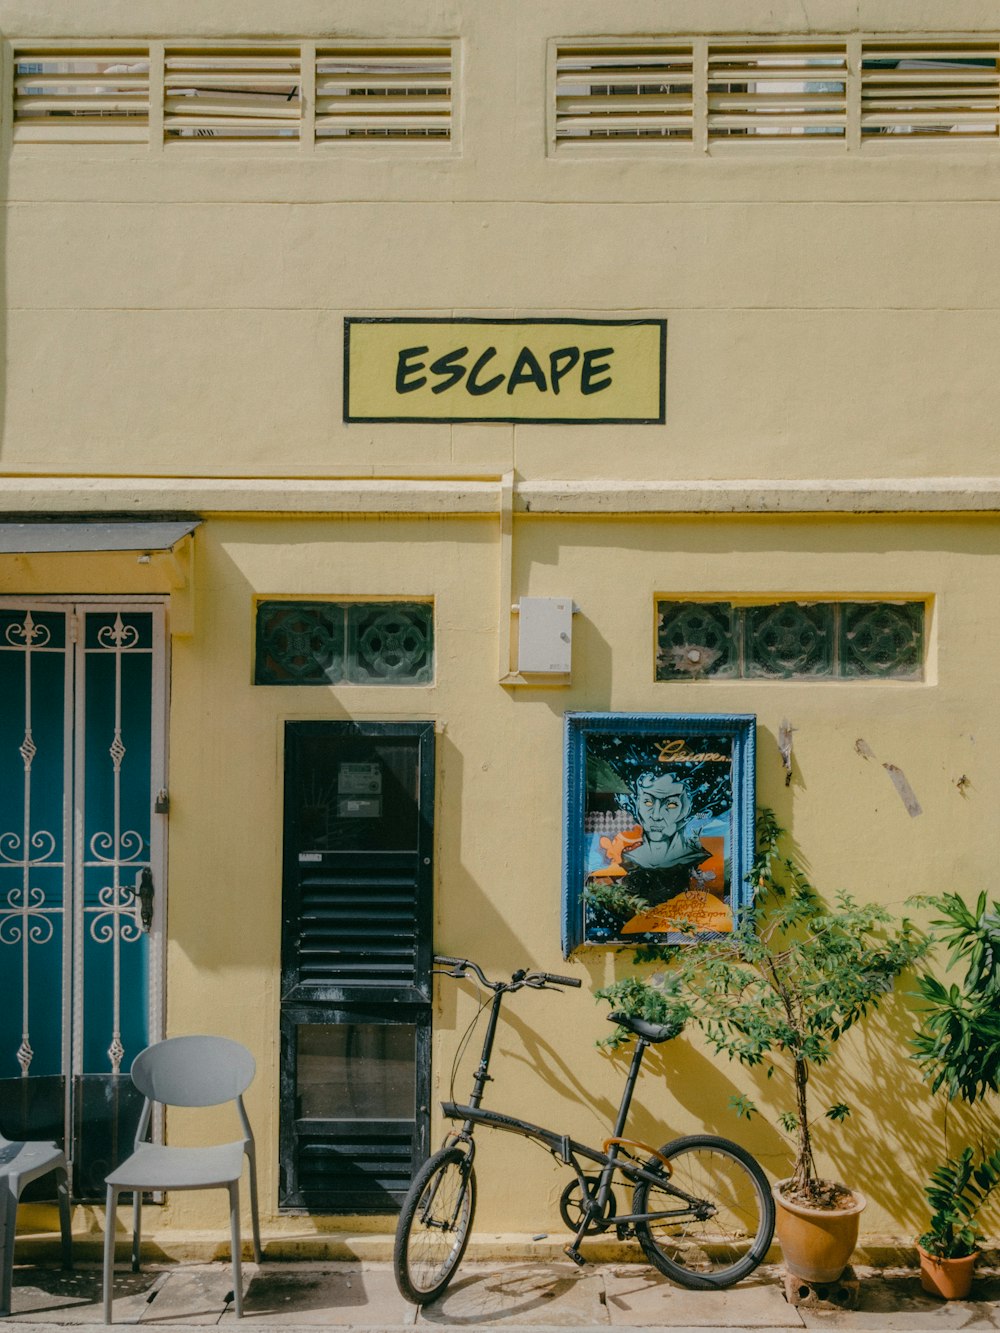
650, 739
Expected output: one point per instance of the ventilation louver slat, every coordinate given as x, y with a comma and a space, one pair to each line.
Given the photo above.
233, 94
634, 92
81, 96
777, 90
930, 89
404, 93
358, 925
355, 1168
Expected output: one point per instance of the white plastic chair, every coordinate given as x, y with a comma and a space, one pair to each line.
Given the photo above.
187, 1071
20, 1163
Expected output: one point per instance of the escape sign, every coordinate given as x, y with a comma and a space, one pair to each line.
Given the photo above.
536, 370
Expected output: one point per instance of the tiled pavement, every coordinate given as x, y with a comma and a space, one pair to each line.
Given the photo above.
512, 1296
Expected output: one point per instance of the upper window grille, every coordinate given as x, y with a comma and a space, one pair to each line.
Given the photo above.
704, 93
777, 91
930, 90
383, 94
228, 93
77, 96
641, 92
234, 93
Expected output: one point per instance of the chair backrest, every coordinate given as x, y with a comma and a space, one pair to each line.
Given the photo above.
193, 1071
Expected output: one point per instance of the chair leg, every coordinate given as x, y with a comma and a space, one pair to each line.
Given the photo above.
136, 1228
109, 1250
237, 1247
254, 1210
65, 1225
8, 1220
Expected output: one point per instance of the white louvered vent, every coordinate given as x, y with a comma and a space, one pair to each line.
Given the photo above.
81, 96
930, 89
233, 93
777, 90
625, 92
385, 93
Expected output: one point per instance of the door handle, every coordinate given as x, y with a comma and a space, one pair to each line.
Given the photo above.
144, 891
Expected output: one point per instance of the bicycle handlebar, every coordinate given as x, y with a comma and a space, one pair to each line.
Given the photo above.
457, 967
552, 979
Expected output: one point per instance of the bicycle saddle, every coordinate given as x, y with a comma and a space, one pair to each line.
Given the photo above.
654, 1032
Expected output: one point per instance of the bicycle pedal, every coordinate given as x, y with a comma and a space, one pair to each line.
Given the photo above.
575, 1255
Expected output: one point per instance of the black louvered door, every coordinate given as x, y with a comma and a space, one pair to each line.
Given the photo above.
356, 960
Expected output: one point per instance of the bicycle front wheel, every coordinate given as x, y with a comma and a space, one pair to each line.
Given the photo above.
712, 1218
434, 1225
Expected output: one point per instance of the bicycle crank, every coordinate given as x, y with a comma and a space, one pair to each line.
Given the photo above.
574, 1206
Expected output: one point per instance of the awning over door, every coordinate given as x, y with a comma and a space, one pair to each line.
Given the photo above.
94, 535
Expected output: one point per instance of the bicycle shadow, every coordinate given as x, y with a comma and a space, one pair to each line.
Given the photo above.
508, 1295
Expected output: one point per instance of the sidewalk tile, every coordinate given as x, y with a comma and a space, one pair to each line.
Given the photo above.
363, 1299
51, 1295
553, 1295
640, 1296
897, 1303
193, 1294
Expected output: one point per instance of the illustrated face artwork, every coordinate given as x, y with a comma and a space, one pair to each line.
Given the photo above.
662, 805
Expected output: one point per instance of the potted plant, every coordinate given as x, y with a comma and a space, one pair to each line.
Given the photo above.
949, 1248
779, 992
958, 1048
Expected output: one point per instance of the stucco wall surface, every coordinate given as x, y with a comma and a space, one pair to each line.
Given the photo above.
179, 308
174, 334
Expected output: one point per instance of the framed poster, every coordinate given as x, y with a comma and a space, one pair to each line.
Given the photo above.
658, 825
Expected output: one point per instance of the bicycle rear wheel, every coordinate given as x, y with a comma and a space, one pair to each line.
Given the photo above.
434, 1225
719, 1213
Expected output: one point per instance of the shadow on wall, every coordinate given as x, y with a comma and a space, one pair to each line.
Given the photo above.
676, 1071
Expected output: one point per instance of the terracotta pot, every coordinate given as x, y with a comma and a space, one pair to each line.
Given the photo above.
817, 1243
950, 1278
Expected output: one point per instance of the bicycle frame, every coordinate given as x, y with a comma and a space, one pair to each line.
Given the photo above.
570, 1151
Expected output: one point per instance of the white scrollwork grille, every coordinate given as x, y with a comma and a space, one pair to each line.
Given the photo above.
82, 759
119, 851
32, 868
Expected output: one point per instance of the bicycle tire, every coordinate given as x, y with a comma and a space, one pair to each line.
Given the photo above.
434, 1226
714, 1251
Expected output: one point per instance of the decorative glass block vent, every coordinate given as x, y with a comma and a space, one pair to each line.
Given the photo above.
344, 643
625, 92
389, 93
232, 93
790, 641
99, 96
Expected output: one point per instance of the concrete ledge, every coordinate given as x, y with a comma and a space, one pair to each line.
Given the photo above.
877, 495
445, 496
376, 1247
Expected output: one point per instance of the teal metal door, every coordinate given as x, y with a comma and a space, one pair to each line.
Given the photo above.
82, 844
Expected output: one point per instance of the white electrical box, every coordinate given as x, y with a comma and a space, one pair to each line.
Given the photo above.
545, 638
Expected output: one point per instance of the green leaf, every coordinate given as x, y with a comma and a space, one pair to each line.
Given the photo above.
838, 1112
742, 1105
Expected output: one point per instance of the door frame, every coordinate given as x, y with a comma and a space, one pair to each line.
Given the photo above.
303, 1004
74, 793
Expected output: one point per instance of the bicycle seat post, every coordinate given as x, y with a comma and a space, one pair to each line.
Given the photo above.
641, 1046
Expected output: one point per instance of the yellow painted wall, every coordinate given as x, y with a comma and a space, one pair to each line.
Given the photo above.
179, 315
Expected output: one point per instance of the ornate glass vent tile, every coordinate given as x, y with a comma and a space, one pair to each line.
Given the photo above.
697, 640
790, 640
352, 643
